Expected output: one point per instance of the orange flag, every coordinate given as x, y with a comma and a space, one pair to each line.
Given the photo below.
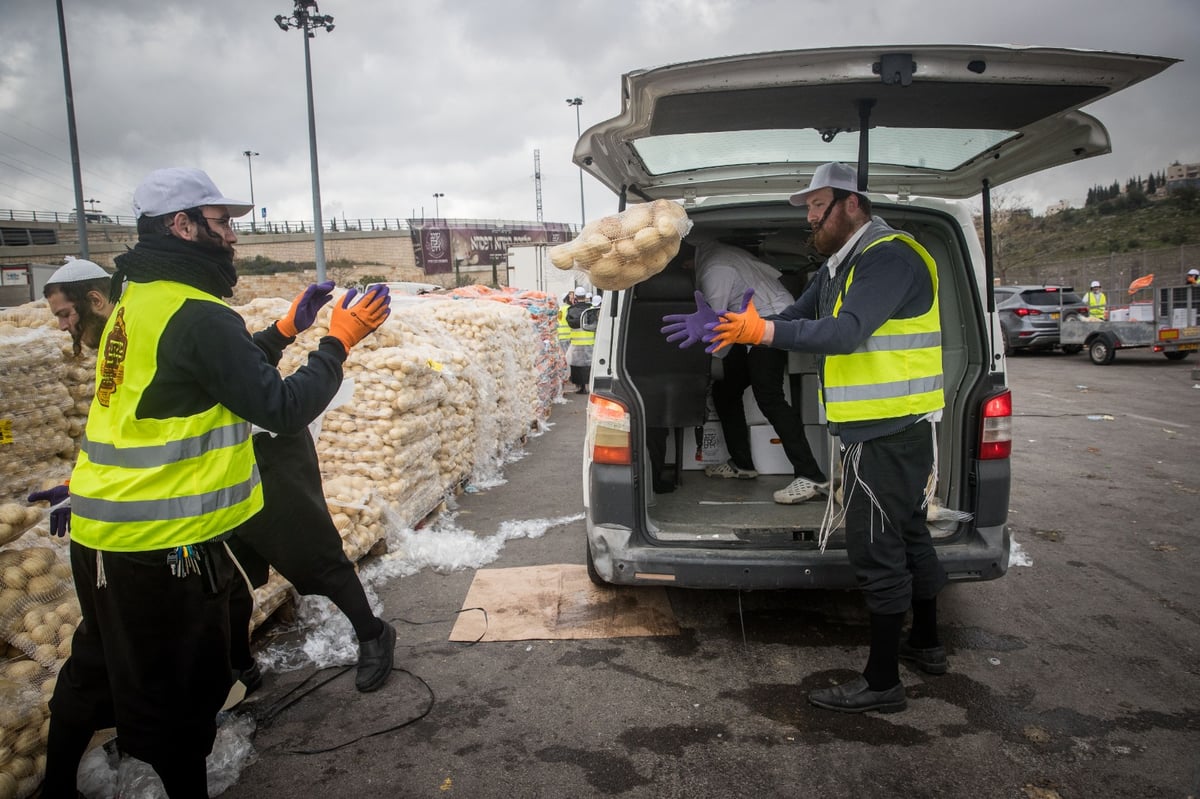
1140, 283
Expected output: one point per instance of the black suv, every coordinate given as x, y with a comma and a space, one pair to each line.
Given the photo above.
1030, 316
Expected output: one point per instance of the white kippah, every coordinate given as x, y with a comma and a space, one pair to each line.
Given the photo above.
78, 270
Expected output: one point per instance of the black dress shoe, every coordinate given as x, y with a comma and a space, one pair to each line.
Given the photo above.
251, 677
663, 487
856, 696
931, 661
375, 660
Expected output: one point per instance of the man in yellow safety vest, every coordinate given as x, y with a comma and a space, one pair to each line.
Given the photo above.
166, 472
1097, 301
872, 314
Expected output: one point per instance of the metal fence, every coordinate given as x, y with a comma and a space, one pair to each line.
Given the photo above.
1115, 271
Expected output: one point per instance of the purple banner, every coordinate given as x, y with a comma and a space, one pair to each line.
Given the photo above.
442, 246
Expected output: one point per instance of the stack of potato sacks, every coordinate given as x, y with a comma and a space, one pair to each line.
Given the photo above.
441, 392
618, 251
38, 617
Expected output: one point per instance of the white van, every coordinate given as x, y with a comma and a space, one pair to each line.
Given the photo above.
731, 138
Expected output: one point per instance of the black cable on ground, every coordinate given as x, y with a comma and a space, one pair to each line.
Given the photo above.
302, 690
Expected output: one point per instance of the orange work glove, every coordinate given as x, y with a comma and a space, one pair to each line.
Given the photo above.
350, 324
746, 327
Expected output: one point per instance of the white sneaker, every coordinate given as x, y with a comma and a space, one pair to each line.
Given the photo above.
800, 490
729, 469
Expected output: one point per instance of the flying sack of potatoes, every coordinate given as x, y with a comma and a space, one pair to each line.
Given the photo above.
623, 249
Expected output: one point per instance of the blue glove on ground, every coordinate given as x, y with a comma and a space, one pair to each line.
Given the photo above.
60, 514
690, 327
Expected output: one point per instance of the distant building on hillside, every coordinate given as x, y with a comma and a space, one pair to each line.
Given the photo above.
1058, 207
1183, 175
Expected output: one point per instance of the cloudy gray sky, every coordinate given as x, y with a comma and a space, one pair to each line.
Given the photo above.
454, 96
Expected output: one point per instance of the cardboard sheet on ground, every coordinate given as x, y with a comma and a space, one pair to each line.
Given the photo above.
559, 601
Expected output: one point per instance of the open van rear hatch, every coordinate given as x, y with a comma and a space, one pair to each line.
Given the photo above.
939, 119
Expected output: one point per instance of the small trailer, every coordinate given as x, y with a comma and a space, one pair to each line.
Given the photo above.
1167, 325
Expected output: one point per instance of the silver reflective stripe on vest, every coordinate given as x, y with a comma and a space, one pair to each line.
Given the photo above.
908, 341
877, 391
172, 452
158, 510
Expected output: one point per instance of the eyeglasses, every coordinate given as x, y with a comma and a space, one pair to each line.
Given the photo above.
222, 221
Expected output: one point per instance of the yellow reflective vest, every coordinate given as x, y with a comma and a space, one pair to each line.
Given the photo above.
1097, 304
897, 371
582, 338
144, 484
564, 329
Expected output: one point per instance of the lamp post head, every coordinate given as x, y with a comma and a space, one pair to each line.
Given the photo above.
575, 101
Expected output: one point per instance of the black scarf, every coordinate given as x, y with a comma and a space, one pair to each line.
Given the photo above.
169, 258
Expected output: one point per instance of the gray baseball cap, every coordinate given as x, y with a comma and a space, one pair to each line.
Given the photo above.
165, 191
833, 175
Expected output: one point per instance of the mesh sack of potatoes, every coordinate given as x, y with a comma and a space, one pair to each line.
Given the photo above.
16, 518
356, 515
498, 338
620, 250
38, 608
268, 598
78, 373
33, 404
25, 689
31, 314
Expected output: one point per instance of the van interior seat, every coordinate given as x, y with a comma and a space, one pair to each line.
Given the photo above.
672, 382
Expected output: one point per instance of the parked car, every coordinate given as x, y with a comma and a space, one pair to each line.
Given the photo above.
731, 138
1030, 316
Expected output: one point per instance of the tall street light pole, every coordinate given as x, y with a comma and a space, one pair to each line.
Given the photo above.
254, 209
437, 214
80, 217
578, 101
307, 18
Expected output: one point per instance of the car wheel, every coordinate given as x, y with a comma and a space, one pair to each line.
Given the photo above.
593, 575
1072, 349
1101, 351
1176, 356
1004, 338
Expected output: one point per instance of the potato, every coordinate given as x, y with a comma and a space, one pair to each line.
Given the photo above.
44, 585
647, 240
14, 577
626, 250
8, 786
562, 256
636, 217
592, 248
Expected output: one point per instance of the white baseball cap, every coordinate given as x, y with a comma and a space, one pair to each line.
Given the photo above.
580, 290
1095, 284
1194, 272
77, 270
833, 175
166, 191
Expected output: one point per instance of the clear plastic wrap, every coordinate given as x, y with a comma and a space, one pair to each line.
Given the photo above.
621, 250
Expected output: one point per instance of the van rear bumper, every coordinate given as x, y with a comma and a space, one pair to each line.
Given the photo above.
618, 562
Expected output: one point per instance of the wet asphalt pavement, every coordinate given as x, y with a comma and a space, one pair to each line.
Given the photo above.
1077, 675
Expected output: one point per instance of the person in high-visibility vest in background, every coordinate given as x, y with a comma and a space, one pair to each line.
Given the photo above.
564, 327
1097, 301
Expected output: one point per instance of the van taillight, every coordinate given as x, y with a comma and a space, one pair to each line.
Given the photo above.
995, 439
608, 431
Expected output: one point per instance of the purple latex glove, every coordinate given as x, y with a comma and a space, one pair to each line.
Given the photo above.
316, 295
709, 336
60, 514
690, 327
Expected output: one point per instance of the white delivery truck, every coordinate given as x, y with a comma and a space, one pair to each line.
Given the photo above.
928, 127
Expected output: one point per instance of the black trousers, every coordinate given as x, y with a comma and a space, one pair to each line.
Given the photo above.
150, 656
886, 538
763, 370
295, 534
